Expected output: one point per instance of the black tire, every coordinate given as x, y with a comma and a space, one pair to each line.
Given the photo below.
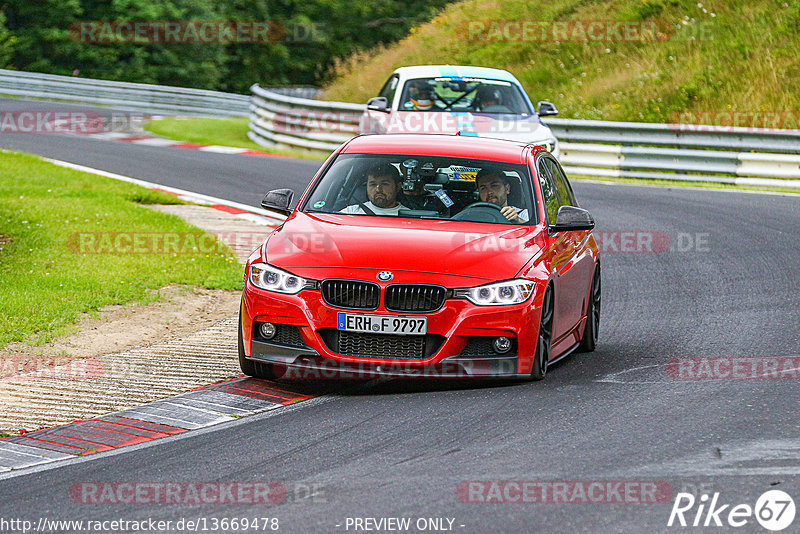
249, 367
589, 339
544, 337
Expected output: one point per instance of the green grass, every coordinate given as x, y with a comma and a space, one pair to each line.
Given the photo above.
743, 58
46, 280
224, 132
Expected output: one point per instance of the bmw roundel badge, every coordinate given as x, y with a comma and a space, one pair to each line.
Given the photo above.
385, 276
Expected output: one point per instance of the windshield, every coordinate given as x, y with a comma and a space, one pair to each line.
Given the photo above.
425, 187
465, 94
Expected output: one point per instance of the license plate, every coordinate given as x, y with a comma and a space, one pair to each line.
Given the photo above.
381, 324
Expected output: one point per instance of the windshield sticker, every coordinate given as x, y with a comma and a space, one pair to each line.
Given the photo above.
465, 174
319, 204
444, 198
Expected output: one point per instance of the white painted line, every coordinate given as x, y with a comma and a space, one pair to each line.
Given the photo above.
258, 219
33, 451
194, 200
156, 141
272, 217
222, 149
279, 409
110, 135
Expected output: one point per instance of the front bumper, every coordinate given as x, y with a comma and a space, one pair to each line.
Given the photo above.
454, 324
304, 364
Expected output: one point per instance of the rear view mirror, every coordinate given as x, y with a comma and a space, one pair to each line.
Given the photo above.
547, 108
378, 103
278, 200
572, 218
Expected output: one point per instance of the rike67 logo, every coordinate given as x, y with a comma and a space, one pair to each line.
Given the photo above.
774, 510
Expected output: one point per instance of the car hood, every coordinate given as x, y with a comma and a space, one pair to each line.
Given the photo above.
333, 245
521, 128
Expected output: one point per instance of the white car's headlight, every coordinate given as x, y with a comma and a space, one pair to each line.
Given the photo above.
550, 144
498, 293
271, 278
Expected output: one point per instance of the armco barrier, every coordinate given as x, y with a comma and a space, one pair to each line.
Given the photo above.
301, 122
678, 151
600, 148
123, 95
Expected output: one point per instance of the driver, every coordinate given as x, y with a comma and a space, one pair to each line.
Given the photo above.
383, 184
494, 186
420, 96
488, 100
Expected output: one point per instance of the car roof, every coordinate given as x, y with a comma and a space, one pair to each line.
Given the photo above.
457, 146
455, 71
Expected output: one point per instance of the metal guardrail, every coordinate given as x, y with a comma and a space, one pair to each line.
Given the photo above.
601, 148
124, 95
685, 152
277, 119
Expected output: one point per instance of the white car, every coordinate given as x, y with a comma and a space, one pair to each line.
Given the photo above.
448, 99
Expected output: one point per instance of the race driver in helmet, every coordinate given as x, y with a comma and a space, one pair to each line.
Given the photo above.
420, 97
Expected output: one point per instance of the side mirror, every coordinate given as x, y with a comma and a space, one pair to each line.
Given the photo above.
547, 108
571, 218
278, 200
378, 103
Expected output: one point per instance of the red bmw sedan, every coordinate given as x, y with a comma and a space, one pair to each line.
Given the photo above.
423, 255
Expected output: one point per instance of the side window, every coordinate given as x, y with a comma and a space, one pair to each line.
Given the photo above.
389, 88
551, 204
564, 191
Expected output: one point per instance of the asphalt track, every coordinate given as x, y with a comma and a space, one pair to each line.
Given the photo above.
402, 448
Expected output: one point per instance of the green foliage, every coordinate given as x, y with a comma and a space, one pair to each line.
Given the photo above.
7, 42
706, 55
46, 36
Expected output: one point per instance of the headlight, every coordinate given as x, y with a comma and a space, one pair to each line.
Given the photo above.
498, 293
273, 279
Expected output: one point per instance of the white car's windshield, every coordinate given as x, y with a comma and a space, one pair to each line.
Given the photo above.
476, 95
425, 187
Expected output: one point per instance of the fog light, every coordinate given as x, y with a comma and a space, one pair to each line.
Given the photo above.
268, 330
501, 345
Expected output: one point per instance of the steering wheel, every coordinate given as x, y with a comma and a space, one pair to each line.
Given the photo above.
481, 212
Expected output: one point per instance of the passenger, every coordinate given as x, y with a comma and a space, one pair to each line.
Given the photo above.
383, 185
494, 186
488, 100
